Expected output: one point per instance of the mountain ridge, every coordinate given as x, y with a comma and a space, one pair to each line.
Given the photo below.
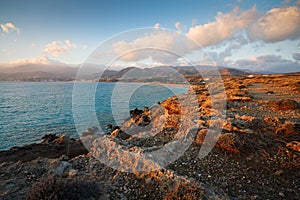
62, 72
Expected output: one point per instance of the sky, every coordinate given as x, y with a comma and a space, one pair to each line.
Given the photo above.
256, 35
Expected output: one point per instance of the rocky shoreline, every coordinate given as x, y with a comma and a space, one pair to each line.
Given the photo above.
256, 156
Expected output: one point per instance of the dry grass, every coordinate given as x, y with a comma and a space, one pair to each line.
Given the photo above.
286, 129
56, 188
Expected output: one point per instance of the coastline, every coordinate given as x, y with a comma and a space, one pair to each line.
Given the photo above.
256, 156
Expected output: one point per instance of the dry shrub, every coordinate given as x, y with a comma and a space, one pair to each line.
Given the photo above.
56, 188
230, 142
273, 121
187, 191
286, 129
200, 136
207, 103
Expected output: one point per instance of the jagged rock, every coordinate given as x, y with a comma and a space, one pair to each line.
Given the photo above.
63, 145
118, 133
49, 138
115, 133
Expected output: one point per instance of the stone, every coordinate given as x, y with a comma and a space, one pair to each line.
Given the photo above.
64, 165
286, 104
49, 138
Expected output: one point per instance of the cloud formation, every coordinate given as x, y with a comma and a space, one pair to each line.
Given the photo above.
42, 60
135, 50
157, 25
276, 25
268, 63
224, 27
57, 48
9, 27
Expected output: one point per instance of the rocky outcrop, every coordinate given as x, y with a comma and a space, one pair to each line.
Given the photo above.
51, 146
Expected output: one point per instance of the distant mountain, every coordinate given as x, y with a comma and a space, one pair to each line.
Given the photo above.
34, 72
62, 72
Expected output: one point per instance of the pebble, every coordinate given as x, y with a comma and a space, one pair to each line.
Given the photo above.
281, 194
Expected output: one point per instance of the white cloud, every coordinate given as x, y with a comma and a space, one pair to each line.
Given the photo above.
70, 44
44, 60
276, 25
135, 50
57, 48
157, 25
224, 27
9, 27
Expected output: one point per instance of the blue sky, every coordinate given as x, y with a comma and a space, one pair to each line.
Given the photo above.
35, 31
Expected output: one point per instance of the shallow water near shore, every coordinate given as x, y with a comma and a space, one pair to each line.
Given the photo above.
29, 110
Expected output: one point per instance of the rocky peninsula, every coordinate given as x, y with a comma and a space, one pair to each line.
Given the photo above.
255, 156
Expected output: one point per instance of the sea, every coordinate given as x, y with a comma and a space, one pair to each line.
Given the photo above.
29, 110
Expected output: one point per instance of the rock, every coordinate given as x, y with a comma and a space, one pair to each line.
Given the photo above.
286, 104
122, 135
90, 131
49, 138
281, 194
75, 148
64, 165
244, 117
118, 133
115, 133
236, 98
72, 173
249, 131
64, 139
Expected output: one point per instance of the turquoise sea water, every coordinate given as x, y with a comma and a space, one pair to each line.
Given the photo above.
29, 110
